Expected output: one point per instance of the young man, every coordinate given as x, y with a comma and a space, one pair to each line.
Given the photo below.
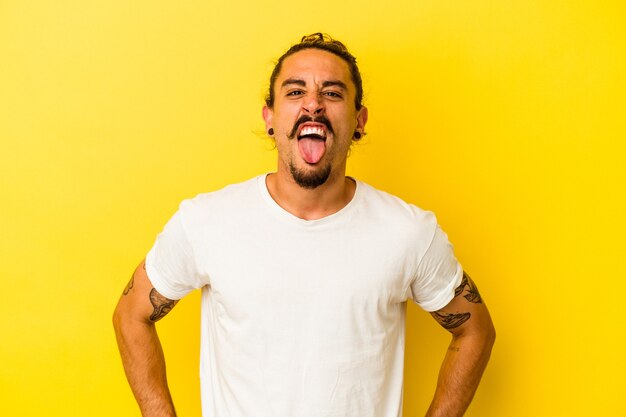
305, 273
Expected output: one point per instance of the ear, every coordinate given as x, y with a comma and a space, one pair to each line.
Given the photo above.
361, 119
267, 116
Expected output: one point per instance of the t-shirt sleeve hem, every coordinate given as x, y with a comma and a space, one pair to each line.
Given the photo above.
445, 296
158, 282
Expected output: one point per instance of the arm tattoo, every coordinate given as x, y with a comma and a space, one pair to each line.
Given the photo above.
473, 296
129, 286
161, 305
451, 321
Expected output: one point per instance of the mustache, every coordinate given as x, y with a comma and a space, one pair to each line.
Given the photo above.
304, 118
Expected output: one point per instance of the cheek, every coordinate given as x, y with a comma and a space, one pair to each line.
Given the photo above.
284, 147
345, 124
285, 121
341, 113
286, 108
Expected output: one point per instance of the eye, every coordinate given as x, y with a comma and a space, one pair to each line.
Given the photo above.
332, 94
295, 93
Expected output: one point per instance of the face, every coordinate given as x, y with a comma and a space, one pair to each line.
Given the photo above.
314, 117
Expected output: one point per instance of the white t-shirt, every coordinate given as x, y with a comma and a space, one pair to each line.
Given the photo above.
303, 318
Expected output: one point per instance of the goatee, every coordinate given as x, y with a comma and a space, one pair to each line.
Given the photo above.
309, 180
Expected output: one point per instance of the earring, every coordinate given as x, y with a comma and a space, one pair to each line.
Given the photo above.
270, 131
357, 135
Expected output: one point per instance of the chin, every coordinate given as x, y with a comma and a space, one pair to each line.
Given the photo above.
310, 179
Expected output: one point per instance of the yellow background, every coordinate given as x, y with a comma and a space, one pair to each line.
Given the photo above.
505, 118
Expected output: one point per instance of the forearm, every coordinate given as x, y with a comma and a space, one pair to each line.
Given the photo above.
460, 373
144, 365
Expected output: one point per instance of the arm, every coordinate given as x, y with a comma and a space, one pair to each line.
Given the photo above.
138, 309
473, 335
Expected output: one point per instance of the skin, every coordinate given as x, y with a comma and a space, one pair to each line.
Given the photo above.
137, 311
466, 317
313, 83
302, 88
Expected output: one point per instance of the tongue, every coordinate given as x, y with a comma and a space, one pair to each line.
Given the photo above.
312, 150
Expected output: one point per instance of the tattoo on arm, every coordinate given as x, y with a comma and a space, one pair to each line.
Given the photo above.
162, 305
451, 321
473, 296
129, 286
461, 287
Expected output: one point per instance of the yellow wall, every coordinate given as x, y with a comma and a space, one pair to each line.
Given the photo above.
505, 118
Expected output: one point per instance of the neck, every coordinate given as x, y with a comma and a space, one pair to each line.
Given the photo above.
311, 204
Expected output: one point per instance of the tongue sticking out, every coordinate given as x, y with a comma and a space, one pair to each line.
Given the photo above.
311, 149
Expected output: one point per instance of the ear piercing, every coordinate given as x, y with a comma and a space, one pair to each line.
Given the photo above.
270, 131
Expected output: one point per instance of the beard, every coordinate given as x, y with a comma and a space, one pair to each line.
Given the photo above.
309, 180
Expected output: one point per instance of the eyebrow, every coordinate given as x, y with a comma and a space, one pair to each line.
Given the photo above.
296, 81
335, 83
302, 83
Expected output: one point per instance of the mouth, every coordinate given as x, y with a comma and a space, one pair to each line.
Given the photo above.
312, 131
312, 141
306, 121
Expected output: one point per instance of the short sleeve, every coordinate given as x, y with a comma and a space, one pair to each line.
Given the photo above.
438, 274
170, 264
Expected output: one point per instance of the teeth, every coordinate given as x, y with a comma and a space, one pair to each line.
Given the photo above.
313, 130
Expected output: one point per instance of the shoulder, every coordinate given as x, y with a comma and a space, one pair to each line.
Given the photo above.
215, 206
228, 196
405, 228
395, 210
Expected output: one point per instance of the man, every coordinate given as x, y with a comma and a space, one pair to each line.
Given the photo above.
305, 273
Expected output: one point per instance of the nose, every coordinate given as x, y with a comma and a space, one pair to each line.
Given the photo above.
313, 105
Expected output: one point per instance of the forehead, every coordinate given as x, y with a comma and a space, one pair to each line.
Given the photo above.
315, 66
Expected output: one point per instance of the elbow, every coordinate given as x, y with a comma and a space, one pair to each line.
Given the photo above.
491, 335
484, 335
488, 331
119, 318
127, 319
116, 319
